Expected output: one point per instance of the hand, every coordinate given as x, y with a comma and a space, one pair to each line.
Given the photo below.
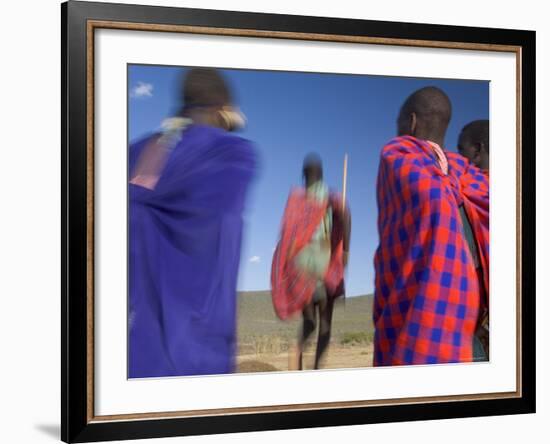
482, 331
483, 335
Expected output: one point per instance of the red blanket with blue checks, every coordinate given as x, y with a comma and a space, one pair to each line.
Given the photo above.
427, 290
292, 289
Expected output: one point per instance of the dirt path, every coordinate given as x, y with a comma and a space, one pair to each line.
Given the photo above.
338, 356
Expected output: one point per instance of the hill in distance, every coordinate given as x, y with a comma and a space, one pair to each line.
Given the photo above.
260, 330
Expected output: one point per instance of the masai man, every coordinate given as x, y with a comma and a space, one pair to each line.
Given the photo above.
427, 288
473, 143
187, 190
308, 264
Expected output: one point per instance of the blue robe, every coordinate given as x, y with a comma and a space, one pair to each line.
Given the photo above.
184, 251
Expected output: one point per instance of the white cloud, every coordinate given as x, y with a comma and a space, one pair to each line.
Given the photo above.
254, 259
142, 89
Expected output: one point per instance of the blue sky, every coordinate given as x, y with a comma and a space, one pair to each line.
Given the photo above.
291, 114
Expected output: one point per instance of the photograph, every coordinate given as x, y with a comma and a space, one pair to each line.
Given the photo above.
243, 188
281, 221
274, 221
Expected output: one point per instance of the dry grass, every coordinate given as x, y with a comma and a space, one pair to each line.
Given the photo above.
253, 366
268, 344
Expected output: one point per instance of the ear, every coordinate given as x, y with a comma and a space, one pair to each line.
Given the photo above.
412, 124
477, 149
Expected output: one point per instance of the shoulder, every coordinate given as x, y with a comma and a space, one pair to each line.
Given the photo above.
457, 159
297, 192
142, 141
335, 196
296, 199
403, 145
460, 165
223, 145
465, 171
218, 136
405, 152
225, 139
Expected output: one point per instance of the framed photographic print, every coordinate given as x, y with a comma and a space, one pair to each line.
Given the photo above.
276, 221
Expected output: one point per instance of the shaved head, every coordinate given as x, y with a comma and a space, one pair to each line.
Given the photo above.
313, 168
203, 87
473, 143
425, 115
206, 97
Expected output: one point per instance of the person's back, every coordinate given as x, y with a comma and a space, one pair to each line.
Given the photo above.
184, 240
427, 289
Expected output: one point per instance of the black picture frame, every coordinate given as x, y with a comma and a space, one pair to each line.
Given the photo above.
77, 425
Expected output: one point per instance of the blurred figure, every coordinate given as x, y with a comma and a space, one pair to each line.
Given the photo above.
427, 286
187, 192
473, 143
308, 264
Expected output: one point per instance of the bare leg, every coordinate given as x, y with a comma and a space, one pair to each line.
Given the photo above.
325, 321
308, 327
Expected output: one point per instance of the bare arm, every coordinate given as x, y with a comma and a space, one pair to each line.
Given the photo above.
347, 233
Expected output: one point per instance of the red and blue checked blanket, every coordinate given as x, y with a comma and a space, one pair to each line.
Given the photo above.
427, 291
292, 289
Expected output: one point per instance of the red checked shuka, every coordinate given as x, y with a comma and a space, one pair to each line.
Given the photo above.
291, 288
427, 289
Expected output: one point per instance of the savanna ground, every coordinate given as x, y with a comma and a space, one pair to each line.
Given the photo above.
268, 344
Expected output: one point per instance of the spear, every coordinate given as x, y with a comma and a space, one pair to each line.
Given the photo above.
344, 186
344, 180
